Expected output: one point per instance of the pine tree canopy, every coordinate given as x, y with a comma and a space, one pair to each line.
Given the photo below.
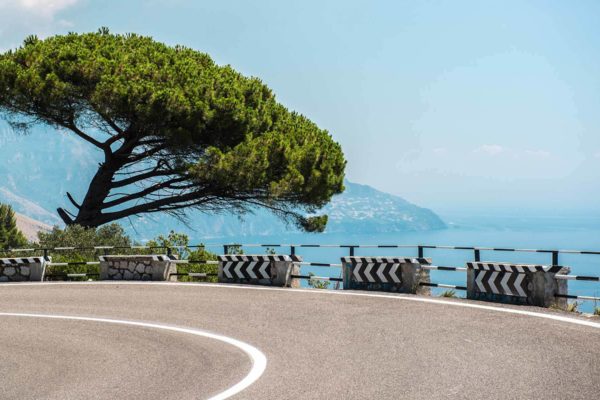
176, 131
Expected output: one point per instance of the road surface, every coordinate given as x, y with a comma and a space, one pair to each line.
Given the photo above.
317, 345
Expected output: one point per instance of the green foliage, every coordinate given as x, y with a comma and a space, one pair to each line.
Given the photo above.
214, 139
597, 311
179, 245
317, 283
572, 307
10, 236
235, 249
449, 293
84, 239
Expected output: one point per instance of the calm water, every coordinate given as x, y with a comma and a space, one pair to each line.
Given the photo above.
574, 233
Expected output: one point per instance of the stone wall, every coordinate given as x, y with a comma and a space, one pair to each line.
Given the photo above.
22, 269
137, 268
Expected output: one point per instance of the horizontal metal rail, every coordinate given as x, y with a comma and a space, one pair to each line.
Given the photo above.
443, 268
578, 278
65, 264
570, 296
317, 278
194, 274
194, 261
443, 285
73, 275
357, 246
314, 264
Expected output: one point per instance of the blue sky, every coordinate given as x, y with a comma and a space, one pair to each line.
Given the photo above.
461, 106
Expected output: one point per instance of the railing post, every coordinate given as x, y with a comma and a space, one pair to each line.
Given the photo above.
169, 251
293, 250
421, 252
351, 251
555, 257
225, 249
477, 255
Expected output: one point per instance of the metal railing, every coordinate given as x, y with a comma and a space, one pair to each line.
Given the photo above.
293, 248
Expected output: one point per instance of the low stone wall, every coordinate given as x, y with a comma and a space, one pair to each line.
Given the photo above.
22, 269
137, 268
387, 274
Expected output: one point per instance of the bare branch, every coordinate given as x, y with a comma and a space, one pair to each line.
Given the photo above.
78, 206
71, 125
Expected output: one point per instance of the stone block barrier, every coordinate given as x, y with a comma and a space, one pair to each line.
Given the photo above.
517, 283
138, 267
271, 270
391, 274
23, 269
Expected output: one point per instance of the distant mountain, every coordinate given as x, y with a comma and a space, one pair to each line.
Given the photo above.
30, 227
36, 170
363, 209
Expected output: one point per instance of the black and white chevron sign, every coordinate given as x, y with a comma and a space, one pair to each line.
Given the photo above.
506, 279
508, 283
251, 266
154, 257
518, 268
25, 260
379, 269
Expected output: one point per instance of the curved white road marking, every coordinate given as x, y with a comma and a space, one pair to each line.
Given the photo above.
328, 292
259, 361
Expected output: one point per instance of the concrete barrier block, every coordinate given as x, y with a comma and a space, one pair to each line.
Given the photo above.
517, 283
391, 274
138, 267
23, 269
270, 270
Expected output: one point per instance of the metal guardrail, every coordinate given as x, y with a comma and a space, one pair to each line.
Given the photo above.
420, 249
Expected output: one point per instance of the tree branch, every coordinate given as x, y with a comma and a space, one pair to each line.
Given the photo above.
73, 201
141, 194
71, 125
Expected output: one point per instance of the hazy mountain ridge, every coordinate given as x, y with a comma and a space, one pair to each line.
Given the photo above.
37, 169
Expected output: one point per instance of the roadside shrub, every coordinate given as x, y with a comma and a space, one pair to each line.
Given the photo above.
318, 283
10, 236
449, 293
179, 245
84, 240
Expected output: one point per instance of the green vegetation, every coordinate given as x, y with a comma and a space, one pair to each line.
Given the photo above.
10, 236
597, 311
84, 239
318, 283
572, 307
179, 245
449, 293
177, 131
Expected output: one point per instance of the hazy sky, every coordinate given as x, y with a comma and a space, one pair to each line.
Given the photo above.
455, 105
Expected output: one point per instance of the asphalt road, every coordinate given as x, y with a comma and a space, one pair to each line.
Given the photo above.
318, 346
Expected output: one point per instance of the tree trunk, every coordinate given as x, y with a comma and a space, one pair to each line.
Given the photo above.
89, 213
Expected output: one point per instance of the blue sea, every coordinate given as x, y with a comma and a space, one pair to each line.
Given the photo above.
573, 232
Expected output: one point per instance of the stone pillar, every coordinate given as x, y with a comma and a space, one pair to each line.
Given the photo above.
282, 272
545, 286
23, 269
137, 268
412, 275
